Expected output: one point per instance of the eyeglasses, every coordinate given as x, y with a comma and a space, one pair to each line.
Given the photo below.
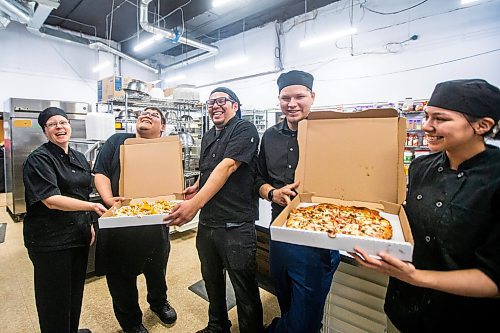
221, 101
54, 124
150, 114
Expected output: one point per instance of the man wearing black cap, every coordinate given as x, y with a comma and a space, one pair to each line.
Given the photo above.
124, 253
58, 225
453, 207
302, 275
226, 236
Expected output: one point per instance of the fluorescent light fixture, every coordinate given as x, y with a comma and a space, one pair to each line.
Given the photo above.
218, 3
101, 66
327, 37
148, 42
230, 62
466, 2
154, 82
175, 78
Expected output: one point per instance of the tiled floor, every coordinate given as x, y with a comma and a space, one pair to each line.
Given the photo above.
18, 312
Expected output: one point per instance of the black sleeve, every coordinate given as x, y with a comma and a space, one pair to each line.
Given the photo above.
40, 179
105, 157
243, 143
488, 254
262, 174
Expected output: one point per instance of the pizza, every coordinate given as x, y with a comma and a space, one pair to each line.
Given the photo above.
337, 219
145, 208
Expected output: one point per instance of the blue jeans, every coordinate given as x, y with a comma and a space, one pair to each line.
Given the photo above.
302, 277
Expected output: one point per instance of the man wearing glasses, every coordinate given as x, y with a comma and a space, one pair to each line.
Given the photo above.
226, 236
124, 253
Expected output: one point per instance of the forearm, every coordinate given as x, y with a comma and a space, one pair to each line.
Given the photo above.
103, 186
264, 190
216, 181
65, 203
469, 282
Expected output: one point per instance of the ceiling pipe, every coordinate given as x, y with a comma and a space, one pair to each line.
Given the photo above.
156, 30
15, 9
104, 47
42, 11
4, 20
35, 19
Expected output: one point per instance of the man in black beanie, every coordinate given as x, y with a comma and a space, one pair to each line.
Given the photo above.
302, 275
226, 238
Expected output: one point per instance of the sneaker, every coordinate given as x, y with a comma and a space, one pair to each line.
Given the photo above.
137, 329
165, 312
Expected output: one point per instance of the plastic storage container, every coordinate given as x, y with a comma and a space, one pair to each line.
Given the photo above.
99, 126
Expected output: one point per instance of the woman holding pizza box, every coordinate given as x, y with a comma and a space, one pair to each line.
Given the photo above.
453, 205
57, 226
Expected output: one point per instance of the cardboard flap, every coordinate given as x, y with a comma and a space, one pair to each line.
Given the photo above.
151, 167
135, 141
371, 113
352, 156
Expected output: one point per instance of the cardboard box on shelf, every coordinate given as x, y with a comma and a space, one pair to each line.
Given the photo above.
112, 87
168, 92
351, 159
150, 169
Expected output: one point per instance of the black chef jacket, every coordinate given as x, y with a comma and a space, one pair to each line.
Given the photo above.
50, 171
235, 201
455, 219
278, 159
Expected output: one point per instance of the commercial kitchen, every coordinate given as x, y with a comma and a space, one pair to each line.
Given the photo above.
104, 61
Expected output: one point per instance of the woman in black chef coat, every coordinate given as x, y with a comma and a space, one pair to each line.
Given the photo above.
453, 206
57, 225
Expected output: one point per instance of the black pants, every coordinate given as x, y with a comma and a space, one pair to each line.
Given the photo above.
59, 282
122, 279
233, 249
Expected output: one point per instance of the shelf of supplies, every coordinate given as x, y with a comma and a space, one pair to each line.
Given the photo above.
414, 131
164, 103
189, 174
418, 147
413, 113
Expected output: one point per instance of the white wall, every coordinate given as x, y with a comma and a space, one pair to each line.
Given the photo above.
42, 68
454, 42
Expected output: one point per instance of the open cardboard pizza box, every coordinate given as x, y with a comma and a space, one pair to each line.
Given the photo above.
352, 159
151, 169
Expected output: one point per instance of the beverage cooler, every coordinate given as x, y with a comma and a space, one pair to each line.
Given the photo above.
23, 135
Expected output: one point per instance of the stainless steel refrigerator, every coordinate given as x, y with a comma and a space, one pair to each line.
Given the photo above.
23, 135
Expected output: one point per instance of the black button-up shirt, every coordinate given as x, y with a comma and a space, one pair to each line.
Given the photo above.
49, 171
235, 202
455, 220
278, 158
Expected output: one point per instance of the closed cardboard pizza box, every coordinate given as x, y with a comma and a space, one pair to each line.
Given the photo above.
351, 159
150, 169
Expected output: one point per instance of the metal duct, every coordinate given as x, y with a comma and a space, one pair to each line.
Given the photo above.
16, 10
35, 19
4, 20
43, 10
102, 46
155, 30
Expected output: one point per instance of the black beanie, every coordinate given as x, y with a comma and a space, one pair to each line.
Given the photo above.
232, 95
50, 112
474, 97
295, 78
